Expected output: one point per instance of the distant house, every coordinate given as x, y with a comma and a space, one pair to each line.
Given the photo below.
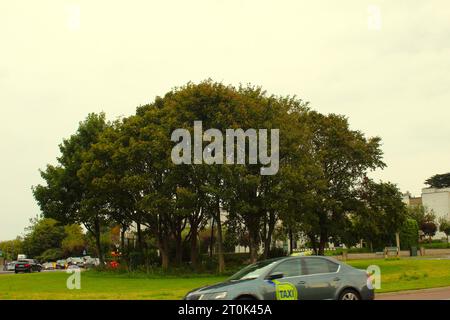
434, 199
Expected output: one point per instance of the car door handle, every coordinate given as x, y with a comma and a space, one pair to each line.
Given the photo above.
337, 279
301, 282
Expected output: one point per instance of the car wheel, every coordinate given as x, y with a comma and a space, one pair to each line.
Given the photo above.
15, 271
349, 294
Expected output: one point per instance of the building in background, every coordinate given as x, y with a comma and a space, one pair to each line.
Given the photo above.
433, 199
438, 200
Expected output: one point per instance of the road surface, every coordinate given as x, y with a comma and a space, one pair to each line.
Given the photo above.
425, 294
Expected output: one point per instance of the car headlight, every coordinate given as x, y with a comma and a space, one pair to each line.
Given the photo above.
214, 296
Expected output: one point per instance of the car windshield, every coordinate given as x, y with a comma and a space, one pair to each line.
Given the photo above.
254, 270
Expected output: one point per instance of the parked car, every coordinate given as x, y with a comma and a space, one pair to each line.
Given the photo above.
11, 266
291, 278
61, 264
27, 265
48, 266
90, 262
75, 261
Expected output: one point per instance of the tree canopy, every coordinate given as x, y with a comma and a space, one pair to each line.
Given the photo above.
439, 181
122, 172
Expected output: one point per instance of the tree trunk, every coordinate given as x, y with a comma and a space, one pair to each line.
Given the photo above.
322, 243
211, 238
194, 247
291, 242
313, 240
163, 247
267, 242
139, 237
219, 240
178, 249
97, 234
122, 239
253, 248
268, 239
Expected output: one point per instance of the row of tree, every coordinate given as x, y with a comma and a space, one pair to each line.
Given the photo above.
121, 172
47, 240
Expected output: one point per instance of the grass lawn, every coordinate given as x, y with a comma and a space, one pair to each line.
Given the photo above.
396, 275
409, 274
94, 285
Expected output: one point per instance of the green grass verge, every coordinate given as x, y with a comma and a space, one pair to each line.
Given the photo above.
409, 274
94, 285
397, 275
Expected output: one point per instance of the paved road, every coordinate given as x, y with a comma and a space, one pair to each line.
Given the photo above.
425, 294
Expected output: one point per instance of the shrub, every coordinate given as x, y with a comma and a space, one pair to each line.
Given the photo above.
436, 245
51, 255
409, 234
276, 252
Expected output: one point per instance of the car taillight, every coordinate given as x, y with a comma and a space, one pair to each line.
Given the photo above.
27, 265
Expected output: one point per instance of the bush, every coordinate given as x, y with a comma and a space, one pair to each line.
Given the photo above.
276, 252
409, 234
51, 255
436, 245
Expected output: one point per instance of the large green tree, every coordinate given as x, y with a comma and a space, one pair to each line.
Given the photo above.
342, 158
379, 215
66, 197
43, 234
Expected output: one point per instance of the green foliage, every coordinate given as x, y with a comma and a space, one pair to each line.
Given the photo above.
52, 254
74, 242
444, 226
436, 245
276, 252
43, 234
421, 214
378, 215
70, 196
11, 248
439, 181
409, 234
118, 173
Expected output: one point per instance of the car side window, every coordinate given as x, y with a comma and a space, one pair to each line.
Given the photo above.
290, 268
333, 267
318, 265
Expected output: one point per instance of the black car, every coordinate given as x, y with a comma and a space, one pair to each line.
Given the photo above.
27, 265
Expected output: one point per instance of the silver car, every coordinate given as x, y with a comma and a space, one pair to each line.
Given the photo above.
291, 278
11, 266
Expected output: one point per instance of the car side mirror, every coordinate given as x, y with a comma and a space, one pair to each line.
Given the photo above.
275, 275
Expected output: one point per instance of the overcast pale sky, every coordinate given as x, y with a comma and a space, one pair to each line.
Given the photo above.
384, 64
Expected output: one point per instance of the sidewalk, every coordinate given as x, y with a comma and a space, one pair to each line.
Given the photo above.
421, 294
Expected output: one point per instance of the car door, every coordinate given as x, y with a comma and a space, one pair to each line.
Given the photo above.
321, 280
292, 274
